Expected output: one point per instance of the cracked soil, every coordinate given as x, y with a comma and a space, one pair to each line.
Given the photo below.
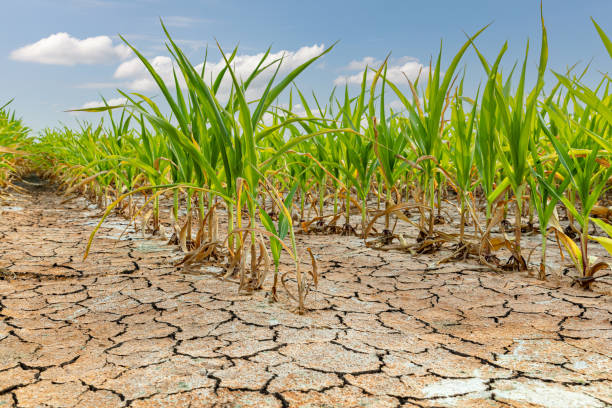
385, 329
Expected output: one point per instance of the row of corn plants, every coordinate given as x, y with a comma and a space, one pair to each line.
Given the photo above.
14, 141
350, 164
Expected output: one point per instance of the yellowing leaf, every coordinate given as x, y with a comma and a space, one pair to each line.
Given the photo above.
603, 225
605, 242
570, 246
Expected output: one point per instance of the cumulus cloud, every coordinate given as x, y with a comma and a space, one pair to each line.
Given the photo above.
97, 104
243, 65
183, 21
100, 85
410, 67
363, 63
135, 68
297, 110
63, 49
137, 76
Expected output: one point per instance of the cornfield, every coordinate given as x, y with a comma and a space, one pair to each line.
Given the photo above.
351, 165
13, 140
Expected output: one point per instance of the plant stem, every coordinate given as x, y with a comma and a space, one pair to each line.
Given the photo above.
335, 201
175, 204
156, 213
230, 225
364, 215
322, 188
302, 200
431, 207
348, 204
462, 226
542, 272
584, 248
387, 202
517, 235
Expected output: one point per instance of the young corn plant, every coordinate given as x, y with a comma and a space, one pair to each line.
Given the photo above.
462, 152
320, 156
389, 147
588, 169
13, 140
426, 123
355, 161
232, 132
485, 149
518, 121
329, 154
589, 178
279, 232
359, 151
364, 167
543, 180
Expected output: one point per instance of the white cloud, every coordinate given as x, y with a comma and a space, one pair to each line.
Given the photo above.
243, 65
97, 104
135, 69
100, 85
297, 110
410, 67
192, 44
183, 21
363, 63
139, 78
63, 49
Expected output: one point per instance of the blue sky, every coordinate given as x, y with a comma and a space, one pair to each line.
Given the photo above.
63, 54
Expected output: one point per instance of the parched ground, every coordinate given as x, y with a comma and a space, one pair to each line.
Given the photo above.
127, 328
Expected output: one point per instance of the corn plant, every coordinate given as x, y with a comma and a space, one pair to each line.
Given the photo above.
589, 179
589, 169
462, 152
485, 149
279, 232
543, 180
588, 175
388, 147
518, 121
232, 131
426, 123
359, 152
13, 140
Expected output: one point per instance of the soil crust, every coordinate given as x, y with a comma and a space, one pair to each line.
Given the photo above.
385, 329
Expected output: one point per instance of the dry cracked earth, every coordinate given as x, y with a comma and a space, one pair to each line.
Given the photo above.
127, 328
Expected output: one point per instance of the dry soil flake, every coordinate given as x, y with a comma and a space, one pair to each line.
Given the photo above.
126, 328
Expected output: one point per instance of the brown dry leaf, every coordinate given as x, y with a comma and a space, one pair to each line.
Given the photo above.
184, 234
498, 216
145, 221
600, 211
497, 243
395, 209
315, 269
83, 182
